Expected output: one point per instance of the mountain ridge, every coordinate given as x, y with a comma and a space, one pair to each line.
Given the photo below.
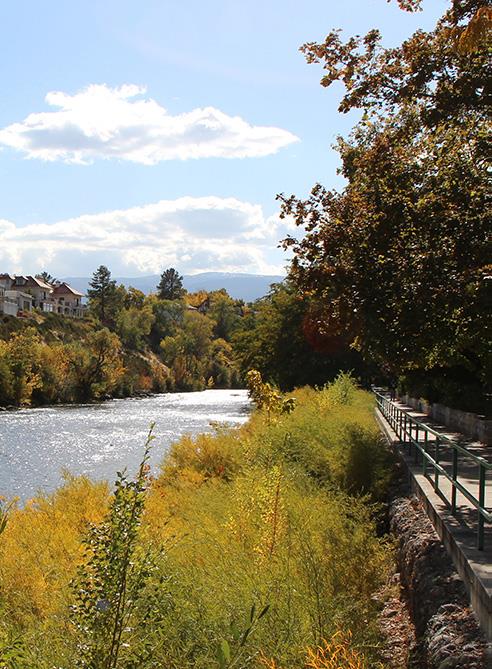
240, 286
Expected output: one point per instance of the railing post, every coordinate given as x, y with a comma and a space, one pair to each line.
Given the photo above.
453, 485
424, 459
481, 506
436, 471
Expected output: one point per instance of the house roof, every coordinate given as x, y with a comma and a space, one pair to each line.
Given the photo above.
65, 289
36, 282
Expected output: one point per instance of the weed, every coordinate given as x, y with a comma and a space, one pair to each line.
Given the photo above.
111, 580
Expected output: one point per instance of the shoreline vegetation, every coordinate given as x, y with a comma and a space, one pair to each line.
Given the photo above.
139, 345
168, 341
255, 546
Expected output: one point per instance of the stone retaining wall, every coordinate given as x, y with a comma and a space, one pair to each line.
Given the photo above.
447, 631
471, 425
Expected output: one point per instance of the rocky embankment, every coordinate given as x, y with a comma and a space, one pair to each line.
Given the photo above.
447, 634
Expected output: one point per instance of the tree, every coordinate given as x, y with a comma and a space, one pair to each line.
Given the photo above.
134, 298
226, 313
134, 324
168, 317
188, 351
47, 278
280, 338
102, 294
170, 286
222, 371
398, 259
96, 365
20, 367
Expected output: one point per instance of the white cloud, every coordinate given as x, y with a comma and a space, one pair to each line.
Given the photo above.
191, 234
109, 123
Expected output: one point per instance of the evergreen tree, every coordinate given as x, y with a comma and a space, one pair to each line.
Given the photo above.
102, 294
45, 276
171, 285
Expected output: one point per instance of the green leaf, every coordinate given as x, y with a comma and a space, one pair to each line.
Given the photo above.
235, 631
223, 654
226, 650
264, 611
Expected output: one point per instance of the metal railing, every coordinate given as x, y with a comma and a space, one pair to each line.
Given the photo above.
428, 445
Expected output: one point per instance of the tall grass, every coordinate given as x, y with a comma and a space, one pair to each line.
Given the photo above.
276, 517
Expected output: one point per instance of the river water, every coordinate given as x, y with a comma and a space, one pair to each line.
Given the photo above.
97, 440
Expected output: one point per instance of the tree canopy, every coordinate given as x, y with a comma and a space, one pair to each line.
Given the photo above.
46, 276
279, 337
398, 259
170, 286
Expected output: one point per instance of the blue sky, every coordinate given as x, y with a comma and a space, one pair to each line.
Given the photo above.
143, 135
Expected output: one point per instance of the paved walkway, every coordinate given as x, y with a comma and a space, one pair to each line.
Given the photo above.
468, 471
458, 532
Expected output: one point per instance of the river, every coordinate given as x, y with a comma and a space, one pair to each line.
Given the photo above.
97, 440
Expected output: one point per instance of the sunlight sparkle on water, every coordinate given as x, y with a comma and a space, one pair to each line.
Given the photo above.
98, 440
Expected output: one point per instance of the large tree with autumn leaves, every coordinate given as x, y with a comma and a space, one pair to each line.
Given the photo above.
397, 261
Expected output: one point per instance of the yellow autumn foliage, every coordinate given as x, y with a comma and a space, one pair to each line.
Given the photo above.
41, 546
258, 515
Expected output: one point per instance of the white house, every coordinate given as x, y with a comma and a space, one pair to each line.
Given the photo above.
8, 305
23, 293
13, 302
68, 301
6, 281
40, 290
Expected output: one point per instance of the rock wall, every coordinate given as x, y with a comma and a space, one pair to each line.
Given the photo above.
447, 632
471, 425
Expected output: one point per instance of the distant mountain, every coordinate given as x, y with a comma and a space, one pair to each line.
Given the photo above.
247, 287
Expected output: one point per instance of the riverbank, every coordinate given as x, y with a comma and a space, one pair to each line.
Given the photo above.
265, 519
49, 360
161, 345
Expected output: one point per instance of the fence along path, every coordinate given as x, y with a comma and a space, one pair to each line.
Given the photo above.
452, 477
459, 471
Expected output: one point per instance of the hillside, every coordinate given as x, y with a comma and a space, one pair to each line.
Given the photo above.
50, 359
141, 345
